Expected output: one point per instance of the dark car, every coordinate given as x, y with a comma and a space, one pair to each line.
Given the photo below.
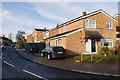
53, 52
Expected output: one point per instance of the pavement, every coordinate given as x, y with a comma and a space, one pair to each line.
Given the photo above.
68, 64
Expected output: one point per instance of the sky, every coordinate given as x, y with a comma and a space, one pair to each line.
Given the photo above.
25, 16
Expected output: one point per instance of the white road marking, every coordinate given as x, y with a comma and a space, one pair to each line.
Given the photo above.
1, 55
9, 64
34, 74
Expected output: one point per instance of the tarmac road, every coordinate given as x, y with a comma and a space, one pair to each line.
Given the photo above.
16, 67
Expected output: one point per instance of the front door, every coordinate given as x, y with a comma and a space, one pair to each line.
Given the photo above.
90, 46
93, 46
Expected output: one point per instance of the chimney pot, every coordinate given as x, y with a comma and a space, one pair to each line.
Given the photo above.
84, 13
44, 27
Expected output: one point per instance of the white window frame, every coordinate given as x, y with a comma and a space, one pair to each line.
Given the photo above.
56, 42
89, 25
107, 40
46, 33
48, 42
109, 23
35, 33
65, 28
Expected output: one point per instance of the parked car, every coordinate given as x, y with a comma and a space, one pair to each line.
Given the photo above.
53, 52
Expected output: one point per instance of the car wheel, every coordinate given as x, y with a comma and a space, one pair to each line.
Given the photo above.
41, 55
48, 57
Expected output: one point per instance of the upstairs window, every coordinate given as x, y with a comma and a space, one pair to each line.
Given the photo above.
109, 25
90, 23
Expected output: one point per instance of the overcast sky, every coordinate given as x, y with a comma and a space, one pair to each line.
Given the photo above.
26, 16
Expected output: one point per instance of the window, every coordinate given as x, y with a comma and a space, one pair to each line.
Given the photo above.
59, 42
47, 43
107, 42
56, 42
64, 28
33, 35
90, 23
109, 25
47, 33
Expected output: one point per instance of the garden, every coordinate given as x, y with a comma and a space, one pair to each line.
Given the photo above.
105, 55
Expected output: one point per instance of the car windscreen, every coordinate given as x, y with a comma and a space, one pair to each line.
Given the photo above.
58, 48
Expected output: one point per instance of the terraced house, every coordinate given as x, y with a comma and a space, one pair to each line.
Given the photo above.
117, 17
37, 35
86, 33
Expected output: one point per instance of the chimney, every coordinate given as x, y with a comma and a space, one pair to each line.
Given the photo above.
44, 27
57, 26
84, 13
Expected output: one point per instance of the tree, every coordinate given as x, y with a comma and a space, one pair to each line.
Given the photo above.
3, 35
10, 36
20, 35
20, 38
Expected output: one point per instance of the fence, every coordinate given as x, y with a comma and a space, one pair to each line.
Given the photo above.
34, 47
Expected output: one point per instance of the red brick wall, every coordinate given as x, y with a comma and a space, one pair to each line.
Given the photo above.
38, 35
101, 20
71, 26
53, 32
118, 18
29, 38
75, 43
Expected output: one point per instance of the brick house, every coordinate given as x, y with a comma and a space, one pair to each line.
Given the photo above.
117, 17
29, 38
37, 35
86, 33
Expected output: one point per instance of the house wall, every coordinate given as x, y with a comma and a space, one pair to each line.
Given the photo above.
37, 35
29, 38
117, 17
71, 26
52, 42
53, 32
101, 20
75, 43
62, 42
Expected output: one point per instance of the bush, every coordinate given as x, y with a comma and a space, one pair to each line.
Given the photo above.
117, 48
104, 50
107, 51
111, 51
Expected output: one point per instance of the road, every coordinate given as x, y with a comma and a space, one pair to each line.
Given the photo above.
13, 66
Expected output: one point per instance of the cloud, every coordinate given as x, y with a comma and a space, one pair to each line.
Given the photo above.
12, 23
59, 12
48, 13
6, 16
59, 0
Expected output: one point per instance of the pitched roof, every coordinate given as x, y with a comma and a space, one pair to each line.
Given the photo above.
116, 15
93, 34
64, 33
41, 29
87, 15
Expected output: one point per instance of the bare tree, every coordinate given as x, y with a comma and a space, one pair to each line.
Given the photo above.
3, 35
20, 35
10, 36
20, 38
